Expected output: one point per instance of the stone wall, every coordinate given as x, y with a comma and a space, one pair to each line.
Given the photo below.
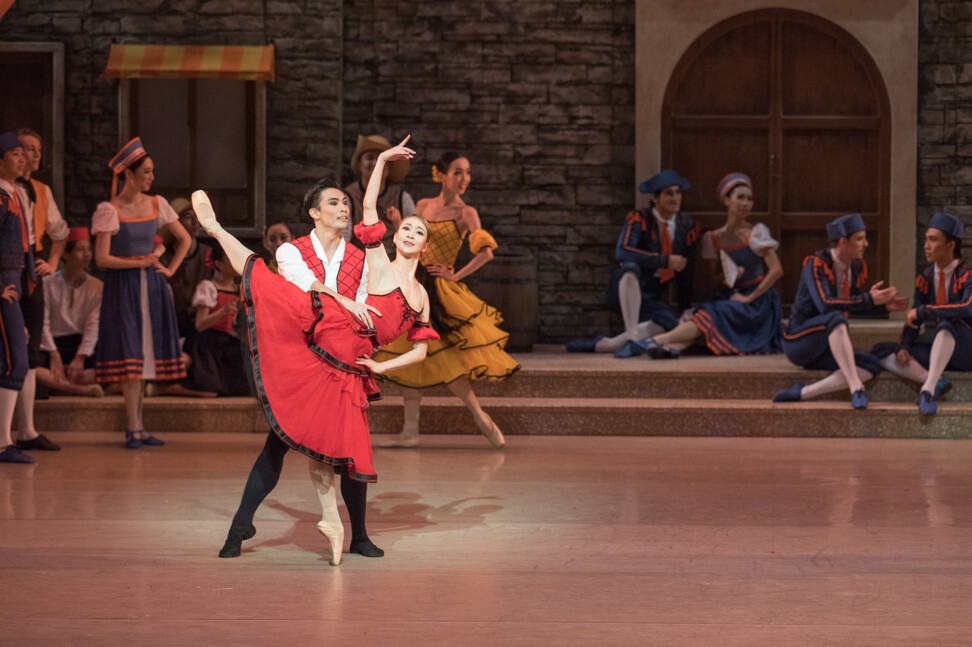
945, 114
538, 93
304, 99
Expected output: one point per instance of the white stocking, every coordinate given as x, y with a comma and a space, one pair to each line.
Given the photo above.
941, 352
236, 252
913, 371
8, 402
26, 400
843, 352
830, 384
629, 294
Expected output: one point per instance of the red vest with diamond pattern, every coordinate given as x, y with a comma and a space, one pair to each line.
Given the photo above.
349, 274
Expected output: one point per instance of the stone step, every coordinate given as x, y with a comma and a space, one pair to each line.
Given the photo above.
544, 416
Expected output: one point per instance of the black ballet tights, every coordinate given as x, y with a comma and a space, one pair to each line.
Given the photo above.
355, 495
263, 478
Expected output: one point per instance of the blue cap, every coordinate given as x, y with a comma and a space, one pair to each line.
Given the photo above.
663, 180
9, 141
845, 226
947, 223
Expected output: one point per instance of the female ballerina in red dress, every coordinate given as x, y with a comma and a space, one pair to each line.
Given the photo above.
312, 357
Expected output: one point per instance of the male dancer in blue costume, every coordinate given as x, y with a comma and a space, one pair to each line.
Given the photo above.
832, 285
943, 303
656, 246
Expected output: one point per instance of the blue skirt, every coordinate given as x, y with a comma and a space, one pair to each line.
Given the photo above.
735, 328
121, 353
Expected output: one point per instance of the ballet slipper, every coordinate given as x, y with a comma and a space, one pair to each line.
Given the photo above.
489, 429
409, 437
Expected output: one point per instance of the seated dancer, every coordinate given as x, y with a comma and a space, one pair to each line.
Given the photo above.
943, 302
746, 319
311, 355
832, 284
656, 246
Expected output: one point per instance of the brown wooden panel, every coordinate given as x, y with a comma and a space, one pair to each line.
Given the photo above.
830, 171
731, 76
820, 77
704, 156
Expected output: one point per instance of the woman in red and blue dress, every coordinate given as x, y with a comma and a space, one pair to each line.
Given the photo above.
312, 357
747, 319
138, 335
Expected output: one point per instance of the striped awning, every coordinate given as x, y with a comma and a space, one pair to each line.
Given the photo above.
243, 63
5, 6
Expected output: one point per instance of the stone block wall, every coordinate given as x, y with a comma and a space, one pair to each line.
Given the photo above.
539, 94
945, 115
304, 113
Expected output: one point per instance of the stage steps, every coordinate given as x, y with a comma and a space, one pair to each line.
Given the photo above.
560, 393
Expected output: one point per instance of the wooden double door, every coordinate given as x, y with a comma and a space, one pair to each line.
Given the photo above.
796, 103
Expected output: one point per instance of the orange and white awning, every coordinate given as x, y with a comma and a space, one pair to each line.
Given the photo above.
5, 6
239, 62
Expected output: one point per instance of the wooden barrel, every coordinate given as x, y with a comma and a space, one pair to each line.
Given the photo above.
509, 284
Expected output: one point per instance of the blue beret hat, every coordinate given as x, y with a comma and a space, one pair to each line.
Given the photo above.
9, 141
948, 223
663, 180
845, 226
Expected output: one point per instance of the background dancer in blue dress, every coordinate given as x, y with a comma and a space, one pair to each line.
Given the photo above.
747, 319
656, 247
943, 302
138, 336
832, 284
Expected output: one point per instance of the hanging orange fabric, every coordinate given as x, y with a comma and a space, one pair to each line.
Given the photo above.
941, 295
665, 274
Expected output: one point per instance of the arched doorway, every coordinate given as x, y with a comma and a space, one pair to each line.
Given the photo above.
795, 102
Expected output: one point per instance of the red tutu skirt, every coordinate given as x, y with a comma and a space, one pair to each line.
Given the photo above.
313, 393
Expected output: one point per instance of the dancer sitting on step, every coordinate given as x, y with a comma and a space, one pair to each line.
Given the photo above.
311, 355
746, 318
943, 304
656, 249
832, 284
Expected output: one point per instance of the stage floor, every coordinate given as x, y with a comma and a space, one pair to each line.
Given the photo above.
553, 541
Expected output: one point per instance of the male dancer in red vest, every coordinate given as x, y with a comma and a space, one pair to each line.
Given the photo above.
323, 262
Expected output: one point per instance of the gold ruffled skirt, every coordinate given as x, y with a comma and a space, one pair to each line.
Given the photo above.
475, 349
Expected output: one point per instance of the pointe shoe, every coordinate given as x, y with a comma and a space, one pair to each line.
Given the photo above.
335, 538
203, 208
233, 546
489, 429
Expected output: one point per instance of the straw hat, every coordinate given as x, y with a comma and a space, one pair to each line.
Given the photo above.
179, 205
396, 171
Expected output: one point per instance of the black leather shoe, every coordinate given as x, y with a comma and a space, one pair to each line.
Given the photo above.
365, 547
42, 442
234, 540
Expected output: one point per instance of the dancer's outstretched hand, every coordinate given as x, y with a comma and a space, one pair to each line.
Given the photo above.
371, 365
204, 211
399, 152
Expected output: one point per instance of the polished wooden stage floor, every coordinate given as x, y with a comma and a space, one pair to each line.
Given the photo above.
554, 541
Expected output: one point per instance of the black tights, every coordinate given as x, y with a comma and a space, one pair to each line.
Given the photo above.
265, 474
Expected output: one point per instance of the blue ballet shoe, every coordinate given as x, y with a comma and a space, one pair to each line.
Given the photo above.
152, 441
943, 386
132, 441
859, 399
791, 394
926, 404
660, 351
583, 345
631, 348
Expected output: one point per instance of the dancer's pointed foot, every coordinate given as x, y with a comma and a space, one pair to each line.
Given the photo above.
234, 540
203, 209
926, 404
335, 538
943, 386
791, 394
489, 429
859, 399
365, 547
584, 344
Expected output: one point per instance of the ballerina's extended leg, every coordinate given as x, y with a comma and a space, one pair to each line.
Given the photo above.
236, 252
